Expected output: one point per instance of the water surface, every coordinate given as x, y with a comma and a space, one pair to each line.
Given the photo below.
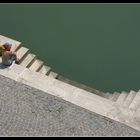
94, 44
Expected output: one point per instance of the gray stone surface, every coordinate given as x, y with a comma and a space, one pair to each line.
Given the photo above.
25, 111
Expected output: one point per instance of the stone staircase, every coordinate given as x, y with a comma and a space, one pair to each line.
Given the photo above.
27, 59
129, 100
31, 61
123, 107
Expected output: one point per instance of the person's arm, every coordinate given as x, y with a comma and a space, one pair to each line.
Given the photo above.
10, 53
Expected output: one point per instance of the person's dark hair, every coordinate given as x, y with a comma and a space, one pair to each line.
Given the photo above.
7, 46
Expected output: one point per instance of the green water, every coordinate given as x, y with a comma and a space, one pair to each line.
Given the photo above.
94, 44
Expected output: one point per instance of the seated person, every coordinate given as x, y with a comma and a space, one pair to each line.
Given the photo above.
8, 56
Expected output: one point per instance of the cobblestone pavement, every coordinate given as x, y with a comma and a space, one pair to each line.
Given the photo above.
25, 111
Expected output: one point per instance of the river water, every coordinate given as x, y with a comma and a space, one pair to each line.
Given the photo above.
94, 44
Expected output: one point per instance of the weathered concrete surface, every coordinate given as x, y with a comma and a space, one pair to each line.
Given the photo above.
25, 111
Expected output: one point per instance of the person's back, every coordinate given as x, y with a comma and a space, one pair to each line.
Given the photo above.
6, 58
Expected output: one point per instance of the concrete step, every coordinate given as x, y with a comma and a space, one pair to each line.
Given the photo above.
28, 60
22, 53
135, 102
122, 98
108, 95
36, 66
53, 74
45, 70
15, 48
115, 96
129, 98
